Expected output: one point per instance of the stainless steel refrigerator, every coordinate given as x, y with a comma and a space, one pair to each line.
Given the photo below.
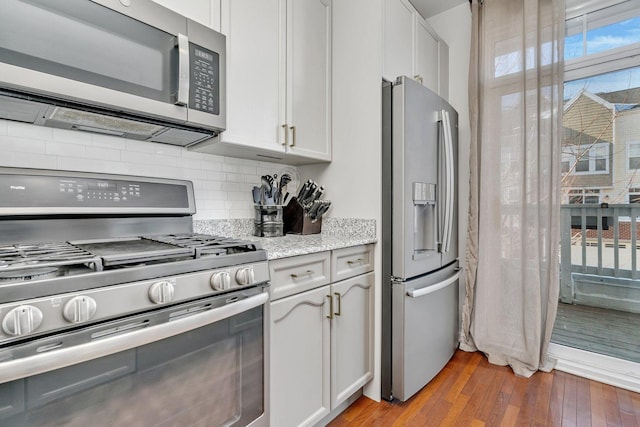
419, 237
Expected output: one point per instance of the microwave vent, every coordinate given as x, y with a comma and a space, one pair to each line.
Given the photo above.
86, 120
182, 137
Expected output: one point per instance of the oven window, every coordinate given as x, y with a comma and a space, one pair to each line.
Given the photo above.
211, 376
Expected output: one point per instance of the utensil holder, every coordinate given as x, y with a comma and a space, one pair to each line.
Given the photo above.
297, 221
268, 221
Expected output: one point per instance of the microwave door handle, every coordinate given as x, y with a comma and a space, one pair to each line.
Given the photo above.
182, 96
55, 359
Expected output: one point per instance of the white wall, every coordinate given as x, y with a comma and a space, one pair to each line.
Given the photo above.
352, 180
222, 184
454, 26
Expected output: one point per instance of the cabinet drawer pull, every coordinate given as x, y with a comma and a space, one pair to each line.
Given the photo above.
286, 134
330, 316
356, 261
293, 136
339, 299
306, 273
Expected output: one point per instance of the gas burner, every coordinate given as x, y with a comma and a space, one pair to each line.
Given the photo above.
28, 274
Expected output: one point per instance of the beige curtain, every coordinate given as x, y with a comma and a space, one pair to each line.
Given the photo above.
515, 90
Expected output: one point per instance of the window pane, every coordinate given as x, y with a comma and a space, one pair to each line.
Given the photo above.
612, 36
573, 43
565, 167
575, 200
601, 165
618, 81
634, 163
634, 198
592, 199
582, 166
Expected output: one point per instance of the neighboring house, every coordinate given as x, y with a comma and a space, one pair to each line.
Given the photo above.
601, 148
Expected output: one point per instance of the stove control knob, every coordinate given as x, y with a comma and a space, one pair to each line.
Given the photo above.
161, 292
245, 276
22, 320
221, 281
79, 309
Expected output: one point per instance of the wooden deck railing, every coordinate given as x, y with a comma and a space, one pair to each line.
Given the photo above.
598, 256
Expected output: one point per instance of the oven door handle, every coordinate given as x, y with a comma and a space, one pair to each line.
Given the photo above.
55, 359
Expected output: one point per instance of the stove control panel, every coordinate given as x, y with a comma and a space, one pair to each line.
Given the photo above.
55, 312
58, 192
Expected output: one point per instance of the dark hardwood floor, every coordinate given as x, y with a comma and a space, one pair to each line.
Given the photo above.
471, 392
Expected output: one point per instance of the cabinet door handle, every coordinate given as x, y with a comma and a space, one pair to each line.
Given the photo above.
339, 299
286, 135
297, 276
293, 135
330, 316
355, 261
418, 78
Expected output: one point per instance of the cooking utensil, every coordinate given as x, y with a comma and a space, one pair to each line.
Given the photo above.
255, 192
293, 186
266, 189
284, 180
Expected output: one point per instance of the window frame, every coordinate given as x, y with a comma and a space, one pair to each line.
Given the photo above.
627, 156
573, 159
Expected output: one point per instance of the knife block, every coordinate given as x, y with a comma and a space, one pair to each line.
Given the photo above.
297, 221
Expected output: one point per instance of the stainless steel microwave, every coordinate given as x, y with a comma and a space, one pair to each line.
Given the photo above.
129, 68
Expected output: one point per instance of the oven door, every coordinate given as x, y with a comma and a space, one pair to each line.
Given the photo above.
195, 364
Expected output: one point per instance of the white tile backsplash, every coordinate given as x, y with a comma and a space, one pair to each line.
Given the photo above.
222, 184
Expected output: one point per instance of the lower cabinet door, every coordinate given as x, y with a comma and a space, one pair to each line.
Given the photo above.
300, 352
351, 336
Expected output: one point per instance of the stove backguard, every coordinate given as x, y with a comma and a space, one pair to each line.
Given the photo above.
39, 205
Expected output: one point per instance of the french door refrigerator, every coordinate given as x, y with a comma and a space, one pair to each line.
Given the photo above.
419, 237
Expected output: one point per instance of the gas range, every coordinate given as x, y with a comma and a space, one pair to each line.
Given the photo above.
80, 248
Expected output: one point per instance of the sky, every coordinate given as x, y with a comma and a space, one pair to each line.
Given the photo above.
601, 39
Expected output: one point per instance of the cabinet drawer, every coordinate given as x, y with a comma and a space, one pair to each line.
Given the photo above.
349, 262
298, 274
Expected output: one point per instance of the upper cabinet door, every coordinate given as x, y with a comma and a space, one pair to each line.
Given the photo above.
426, 54
398, 50
255, 64
206, 12
309, 78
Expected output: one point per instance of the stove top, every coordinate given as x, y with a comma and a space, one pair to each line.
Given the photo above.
22, 262
44, 270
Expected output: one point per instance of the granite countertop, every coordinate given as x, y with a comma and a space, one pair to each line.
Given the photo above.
336, 233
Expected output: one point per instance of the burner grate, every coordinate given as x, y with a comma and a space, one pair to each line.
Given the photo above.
206, 245
21, 256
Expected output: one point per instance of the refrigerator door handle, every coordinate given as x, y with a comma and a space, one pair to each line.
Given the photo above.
449, 179
434, 288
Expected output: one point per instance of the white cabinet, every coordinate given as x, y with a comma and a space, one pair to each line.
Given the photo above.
426, 55
278, 81
412, 48
351, 336
398, 51
206, 12
322, 338
300, 359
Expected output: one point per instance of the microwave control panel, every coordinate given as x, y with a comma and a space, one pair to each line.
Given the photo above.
204, 87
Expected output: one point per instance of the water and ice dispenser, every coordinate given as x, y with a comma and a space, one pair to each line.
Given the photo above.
425, 218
